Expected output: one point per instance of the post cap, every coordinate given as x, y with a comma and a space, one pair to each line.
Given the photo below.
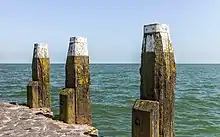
78, 46
156, 27
40, 50
78, 39
149, 40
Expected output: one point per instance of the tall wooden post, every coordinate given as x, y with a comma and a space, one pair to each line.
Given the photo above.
41, 78
158, 74
77, 78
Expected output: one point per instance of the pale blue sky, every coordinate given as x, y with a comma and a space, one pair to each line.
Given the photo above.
113, 28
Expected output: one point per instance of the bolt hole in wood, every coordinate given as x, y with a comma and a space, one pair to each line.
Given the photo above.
137, 121
142, 123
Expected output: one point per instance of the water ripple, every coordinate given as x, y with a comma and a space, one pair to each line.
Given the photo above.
114, 88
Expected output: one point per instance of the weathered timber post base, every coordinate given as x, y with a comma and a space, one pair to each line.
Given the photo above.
67, 105
32, 94
145, 118
78, 80
41, 74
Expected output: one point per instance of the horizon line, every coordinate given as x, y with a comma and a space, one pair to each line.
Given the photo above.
184, 63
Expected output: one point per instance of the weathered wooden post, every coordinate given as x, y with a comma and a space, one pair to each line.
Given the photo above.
67, 105
158, 75
39, 97
76, 93
32, 94
145, 118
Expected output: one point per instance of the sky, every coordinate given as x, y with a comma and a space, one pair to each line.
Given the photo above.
113, 28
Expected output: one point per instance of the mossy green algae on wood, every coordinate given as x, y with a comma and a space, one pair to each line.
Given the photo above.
67, 105
78, 78
41, 73
170, 89
158, 73
83, 106
32, 94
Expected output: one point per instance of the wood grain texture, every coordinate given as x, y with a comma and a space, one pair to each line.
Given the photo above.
158, 79
145, 118
67, 105
78, 78
41, 73
32, 94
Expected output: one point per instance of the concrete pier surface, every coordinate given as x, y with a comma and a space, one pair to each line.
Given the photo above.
21, 121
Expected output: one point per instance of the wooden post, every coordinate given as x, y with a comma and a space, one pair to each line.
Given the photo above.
158, 74
41, 74
67, 105
78, 78
145, 119
32, 94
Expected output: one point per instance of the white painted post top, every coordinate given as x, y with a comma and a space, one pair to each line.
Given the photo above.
150, 44
40, 50
78, 46
156, 27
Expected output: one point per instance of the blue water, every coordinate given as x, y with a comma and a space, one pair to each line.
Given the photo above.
114, 88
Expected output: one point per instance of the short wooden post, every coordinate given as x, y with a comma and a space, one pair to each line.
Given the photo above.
78, 78
32, 94
158, 74
41, 74
145, 118
67, 105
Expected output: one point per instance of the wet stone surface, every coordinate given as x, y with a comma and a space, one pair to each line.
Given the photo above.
20, 121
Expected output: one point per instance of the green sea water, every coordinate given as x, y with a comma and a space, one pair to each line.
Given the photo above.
114, 88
